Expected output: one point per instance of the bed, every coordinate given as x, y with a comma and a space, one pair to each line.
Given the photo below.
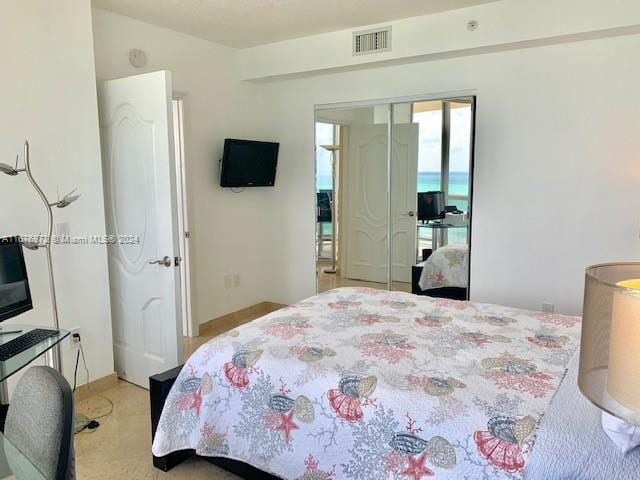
359, 383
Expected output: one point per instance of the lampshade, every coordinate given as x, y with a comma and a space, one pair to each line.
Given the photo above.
610, 349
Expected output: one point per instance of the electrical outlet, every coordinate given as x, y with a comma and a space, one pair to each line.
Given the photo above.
75, 341
548, 307
228, 282
236, 280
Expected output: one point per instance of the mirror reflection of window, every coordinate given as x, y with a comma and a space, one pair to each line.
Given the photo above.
325, 135
459, 154
442, 184
428, 115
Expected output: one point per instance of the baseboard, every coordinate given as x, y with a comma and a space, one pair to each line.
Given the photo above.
97, 386
273, 306
233, 319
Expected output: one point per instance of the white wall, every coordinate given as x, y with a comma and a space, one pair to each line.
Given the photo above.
501, 25
555, 136
556, 179
227, 229
47, 94
549, 119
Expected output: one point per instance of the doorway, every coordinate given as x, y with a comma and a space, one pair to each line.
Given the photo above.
188, 328
140, 172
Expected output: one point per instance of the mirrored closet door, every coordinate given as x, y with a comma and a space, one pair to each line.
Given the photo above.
401, 171
351, 197
431, 166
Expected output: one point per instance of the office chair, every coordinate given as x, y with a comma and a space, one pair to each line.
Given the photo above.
40, 422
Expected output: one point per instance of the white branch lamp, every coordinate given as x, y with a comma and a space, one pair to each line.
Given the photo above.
610, 349
66, 201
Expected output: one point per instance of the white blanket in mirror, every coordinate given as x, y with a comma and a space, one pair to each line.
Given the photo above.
448, 266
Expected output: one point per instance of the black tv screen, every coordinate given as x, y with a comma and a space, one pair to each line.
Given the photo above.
15, 295
247, 163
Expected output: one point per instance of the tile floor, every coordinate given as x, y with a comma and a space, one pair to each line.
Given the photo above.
329, 281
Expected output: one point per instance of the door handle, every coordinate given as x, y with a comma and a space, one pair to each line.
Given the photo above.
411, 213
166, 261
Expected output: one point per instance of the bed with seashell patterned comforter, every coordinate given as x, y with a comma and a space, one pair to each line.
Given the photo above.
358, 383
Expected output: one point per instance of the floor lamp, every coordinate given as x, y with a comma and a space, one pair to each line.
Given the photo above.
53, 355
334, 225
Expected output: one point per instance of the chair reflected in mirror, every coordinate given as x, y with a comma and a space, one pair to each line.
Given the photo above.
324, 199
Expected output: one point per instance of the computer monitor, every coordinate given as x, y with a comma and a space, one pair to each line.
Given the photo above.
15, 295
430, 206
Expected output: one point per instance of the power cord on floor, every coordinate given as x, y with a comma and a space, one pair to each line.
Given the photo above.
91, 424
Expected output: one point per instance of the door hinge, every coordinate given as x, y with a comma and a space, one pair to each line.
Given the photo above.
187, 235
176, 261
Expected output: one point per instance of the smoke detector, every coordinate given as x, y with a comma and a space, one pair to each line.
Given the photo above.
137, 58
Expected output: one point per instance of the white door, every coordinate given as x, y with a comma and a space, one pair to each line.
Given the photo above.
364, 197
139, 180
404, 195
365, 220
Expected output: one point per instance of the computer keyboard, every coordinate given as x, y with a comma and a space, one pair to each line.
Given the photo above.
24, 342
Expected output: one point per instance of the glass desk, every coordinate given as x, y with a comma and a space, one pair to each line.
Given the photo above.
14, 464
437, 230
21, 360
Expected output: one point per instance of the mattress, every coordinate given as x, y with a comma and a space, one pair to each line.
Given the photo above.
358, 383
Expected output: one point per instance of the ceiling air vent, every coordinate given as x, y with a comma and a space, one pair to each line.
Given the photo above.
372, 41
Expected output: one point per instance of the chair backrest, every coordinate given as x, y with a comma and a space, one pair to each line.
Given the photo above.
323, 202
40, 422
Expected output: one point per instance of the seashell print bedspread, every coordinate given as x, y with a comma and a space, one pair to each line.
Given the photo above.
448, 266
366, 384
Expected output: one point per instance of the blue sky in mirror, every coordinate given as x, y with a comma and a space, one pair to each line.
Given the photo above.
430, 137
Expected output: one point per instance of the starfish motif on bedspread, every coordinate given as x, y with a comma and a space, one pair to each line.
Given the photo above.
287, 425
197, 402
417, 469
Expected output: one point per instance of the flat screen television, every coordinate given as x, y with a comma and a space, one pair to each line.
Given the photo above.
431, 206
15, 295
248, 163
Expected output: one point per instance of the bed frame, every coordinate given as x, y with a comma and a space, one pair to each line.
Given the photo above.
159, 387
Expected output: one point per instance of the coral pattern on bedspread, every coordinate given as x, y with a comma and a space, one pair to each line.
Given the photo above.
368, 384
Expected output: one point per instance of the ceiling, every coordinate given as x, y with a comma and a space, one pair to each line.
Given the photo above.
246, 23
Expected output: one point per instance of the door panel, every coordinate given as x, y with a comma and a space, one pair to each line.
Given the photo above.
404, 184
138, 162
365, 210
